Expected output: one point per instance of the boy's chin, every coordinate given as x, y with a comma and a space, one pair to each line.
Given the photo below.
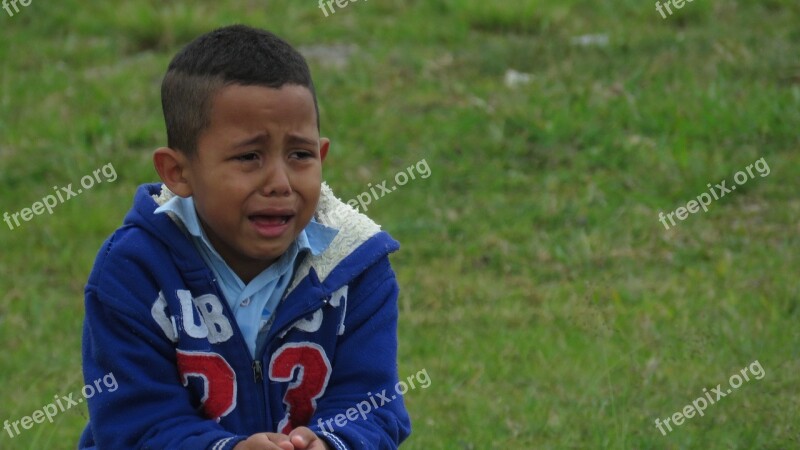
268, 255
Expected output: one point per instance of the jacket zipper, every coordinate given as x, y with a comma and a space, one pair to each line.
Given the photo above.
258, 373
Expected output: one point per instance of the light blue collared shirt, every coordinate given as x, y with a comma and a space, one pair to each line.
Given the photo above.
252, 304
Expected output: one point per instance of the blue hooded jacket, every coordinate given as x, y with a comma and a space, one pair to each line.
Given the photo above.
156, 319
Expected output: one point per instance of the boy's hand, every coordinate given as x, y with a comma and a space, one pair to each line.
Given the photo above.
266, 441
305, 439
300, 438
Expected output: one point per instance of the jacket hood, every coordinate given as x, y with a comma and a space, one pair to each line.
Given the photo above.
360, 240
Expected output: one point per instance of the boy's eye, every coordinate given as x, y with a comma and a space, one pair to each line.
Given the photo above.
247, 157
302, 154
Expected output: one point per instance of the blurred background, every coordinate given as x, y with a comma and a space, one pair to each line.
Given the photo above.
547, 303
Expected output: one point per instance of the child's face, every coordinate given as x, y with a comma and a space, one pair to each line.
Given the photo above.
256, 176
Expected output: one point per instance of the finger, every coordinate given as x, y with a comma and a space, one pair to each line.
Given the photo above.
281, 440
301, 437
300, 442
271, 441
277, 437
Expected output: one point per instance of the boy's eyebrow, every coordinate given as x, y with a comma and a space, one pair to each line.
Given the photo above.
293, 139
251, 140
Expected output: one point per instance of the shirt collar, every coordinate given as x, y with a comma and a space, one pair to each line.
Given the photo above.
315, 237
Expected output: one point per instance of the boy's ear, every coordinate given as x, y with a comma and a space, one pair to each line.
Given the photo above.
172, 166
324, 145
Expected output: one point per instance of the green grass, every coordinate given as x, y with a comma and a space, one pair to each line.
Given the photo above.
548, 305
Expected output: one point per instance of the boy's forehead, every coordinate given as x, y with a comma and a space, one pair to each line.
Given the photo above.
247, 91
290, 101
253, 113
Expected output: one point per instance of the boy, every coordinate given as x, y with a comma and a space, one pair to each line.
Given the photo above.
241, 305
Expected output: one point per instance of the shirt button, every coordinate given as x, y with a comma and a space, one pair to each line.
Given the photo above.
245, 302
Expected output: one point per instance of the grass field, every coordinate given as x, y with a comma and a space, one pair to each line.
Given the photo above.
547, 302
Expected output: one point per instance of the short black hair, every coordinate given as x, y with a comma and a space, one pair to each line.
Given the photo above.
235, 54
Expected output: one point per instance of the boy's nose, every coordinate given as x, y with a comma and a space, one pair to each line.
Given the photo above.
276, 182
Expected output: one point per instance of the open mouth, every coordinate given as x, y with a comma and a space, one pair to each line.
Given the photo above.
271, 225
273, 221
